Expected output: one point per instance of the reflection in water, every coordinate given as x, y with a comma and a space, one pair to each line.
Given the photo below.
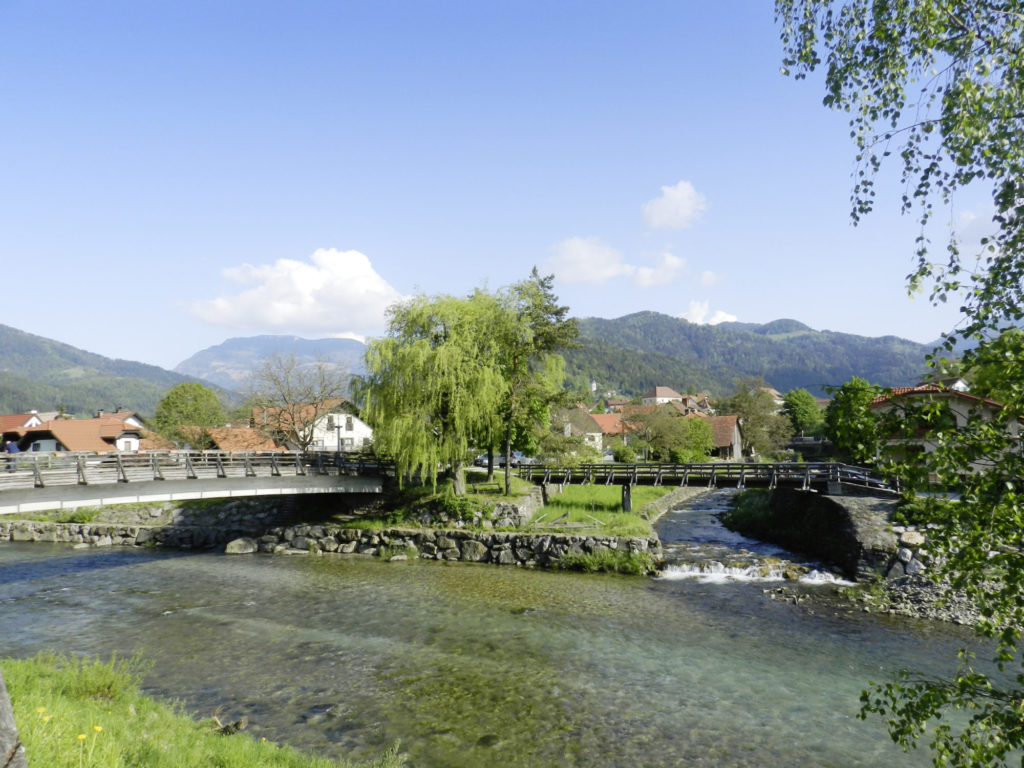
472, 665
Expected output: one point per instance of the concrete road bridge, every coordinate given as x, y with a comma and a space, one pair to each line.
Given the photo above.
32, 482
826, 477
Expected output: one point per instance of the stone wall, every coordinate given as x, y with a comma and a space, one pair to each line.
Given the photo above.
852, 533
248, 525
499, 547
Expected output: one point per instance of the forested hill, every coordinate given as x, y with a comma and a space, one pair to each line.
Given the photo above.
631, 354
42, 374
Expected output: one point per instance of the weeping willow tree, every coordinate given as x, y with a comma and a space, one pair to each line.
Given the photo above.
433, 382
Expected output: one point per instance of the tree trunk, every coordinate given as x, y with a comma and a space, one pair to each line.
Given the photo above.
508, 460
459, 478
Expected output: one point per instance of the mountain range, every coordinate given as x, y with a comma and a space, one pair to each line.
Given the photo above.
230, 364
634, 353
628, 355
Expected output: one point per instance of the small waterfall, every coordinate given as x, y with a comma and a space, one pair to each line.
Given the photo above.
697, 546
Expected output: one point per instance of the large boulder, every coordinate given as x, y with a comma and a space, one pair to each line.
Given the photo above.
241, 546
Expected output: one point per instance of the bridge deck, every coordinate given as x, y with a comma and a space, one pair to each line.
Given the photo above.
36, 481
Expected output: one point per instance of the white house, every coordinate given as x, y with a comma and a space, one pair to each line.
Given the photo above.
341, 431
660, 396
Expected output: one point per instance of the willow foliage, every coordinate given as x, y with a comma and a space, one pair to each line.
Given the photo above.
433, 382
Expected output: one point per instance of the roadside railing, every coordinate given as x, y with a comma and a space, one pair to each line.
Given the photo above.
712, 474
44, 470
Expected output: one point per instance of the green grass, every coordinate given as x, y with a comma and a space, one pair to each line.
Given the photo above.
600, 506
480, 493
78, 515
85, 713
751, 514
610, 561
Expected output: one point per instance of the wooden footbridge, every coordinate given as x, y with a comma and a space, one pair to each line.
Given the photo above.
823, 477
40, 481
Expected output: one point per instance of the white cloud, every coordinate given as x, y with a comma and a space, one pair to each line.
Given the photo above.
336, 292
698, 313
667, 270
677, 207
709, 278
587, 260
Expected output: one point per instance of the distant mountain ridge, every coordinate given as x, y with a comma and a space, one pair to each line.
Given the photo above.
41, 374
229, 364
631, 354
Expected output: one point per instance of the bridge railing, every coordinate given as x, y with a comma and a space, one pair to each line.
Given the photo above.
44, 469
737, 474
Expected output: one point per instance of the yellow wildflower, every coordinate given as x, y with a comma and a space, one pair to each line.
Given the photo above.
40, 710
81, 737
97, 728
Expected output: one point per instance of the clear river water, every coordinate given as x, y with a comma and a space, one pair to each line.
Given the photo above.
476, 665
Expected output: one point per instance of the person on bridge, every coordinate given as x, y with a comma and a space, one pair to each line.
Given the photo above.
11, 448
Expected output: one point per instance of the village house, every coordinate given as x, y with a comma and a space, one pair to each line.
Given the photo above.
660, 396
576, 422
109, 432
956, 404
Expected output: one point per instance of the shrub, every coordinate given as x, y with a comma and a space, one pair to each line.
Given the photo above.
610, 561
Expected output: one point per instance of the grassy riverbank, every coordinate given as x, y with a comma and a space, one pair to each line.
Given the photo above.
81, 713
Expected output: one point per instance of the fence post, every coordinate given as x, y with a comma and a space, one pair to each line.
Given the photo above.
627, 498
12, 752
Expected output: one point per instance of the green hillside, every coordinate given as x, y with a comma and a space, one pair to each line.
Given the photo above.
42, 374
633, 353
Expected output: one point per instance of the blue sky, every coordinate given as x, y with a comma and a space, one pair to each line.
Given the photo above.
174, 174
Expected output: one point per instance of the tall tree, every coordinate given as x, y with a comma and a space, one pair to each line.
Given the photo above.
803, 411
765, 430
289, 398
434, 383
536, 326
850, 424
939, 85
184, 412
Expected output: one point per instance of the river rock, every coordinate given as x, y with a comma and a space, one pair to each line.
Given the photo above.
474, 551
241, 546
912, 539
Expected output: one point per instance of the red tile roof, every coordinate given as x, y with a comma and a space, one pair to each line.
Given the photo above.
931, 389
15, 422
610, 423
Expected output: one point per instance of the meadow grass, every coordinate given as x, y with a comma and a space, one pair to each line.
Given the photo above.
87, 713
600, 507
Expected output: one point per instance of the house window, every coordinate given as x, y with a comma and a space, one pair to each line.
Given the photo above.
348, 423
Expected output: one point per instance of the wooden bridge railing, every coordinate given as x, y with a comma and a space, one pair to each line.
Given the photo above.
43, 470
712, 474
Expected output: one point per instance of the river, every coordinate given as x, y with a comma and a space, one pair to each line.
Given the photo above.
472, 665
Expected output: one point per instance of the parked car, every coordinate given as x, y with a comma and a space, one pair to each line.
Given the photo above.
481, 460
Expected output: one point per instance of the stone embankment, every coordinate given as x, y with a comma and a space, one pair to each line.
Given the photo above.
250, 525
856, 534
499, 547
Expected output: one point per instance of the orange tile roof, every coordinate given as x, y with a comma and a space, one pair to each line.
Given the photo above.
723, 428
240, 439
15, 422
931, 389
97, 435
610, 423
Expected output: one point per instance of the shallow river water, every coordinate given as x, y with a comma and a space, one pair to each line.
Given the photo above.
475, 665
